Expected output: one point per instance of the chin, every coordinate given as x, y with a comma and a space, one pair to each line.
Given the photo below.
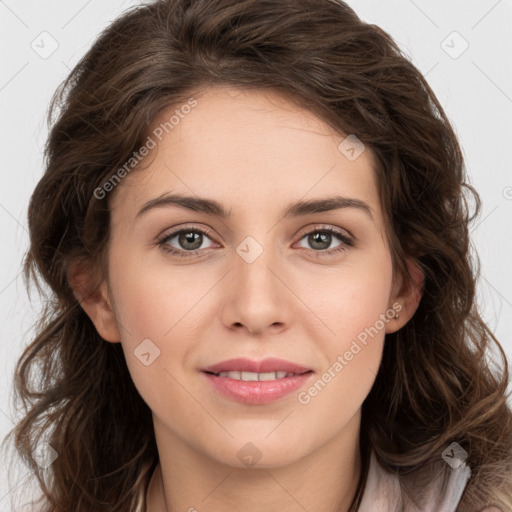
260, 453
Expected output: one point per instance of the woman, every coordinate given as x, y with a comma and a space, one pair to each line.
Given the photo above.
256, 369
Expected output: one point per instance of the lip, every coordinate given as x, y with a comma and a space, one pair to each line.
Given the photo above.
270, 364
256, 392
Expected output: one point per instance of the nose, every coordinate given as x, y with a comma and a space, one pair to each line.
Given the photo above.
257, 298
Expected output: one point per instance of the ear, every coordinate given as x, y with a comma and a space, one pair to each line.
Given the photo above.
94, 300
406, 297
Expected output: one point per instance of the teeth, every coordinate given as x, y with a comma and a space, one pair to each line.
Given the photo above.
253, 376
267, 376
247, 376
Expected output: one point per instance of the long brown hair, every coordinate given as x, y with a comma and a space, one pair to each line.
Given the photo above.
436, 384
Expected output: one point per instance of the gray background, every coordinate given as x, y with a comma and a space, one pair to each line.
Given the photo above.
473, 84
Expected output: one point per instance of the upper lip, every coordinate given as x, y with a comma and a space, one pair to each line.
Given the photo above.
263, 366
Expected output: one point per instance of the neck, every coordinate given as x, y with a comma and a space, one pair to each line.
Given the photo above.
325, 480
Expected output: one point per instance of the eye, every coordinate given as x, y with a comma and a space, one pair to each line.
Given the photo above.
189, 241
321, 238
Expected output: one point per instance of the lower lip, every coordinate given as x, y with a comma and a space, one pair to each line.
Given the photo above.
257, 392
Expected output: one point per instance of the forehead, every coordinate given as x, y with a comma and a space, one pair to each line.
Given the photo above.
248, 148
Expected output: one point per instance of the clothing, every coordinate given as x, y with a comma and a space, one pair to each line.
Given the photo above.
382, 492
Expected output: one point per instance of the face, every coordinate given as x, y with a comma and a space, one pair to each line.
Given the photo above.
281, 283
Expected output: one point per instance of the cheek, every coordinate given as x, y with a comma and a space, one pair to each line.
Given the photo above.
349, 303
353, 310
352, 349
152, 297
157, 313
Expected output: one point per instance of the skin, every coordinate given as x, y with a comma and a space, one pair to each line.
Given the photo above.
255, 153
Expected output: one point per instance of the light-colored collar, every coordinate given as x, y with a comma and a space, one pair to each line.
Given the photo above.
383, 491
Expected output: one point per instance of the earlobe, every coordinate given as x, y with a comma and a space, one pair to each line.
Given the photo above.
408, 297
94, 300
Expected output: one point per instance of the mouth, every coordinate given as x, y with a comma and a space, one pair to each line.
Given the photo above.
256, 382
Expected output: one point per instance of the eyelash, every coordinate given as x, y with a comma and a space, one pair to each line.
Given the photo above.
345, 239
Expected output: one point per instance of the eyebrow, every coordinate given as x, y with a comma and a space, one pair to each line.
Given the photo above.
213, 208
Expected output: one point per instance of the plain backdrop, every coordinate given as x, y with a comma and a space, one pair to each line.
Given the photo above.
463, 48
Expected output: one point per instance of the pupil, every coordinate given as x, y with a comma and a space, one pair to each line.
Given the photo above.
324, 238
190, 238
